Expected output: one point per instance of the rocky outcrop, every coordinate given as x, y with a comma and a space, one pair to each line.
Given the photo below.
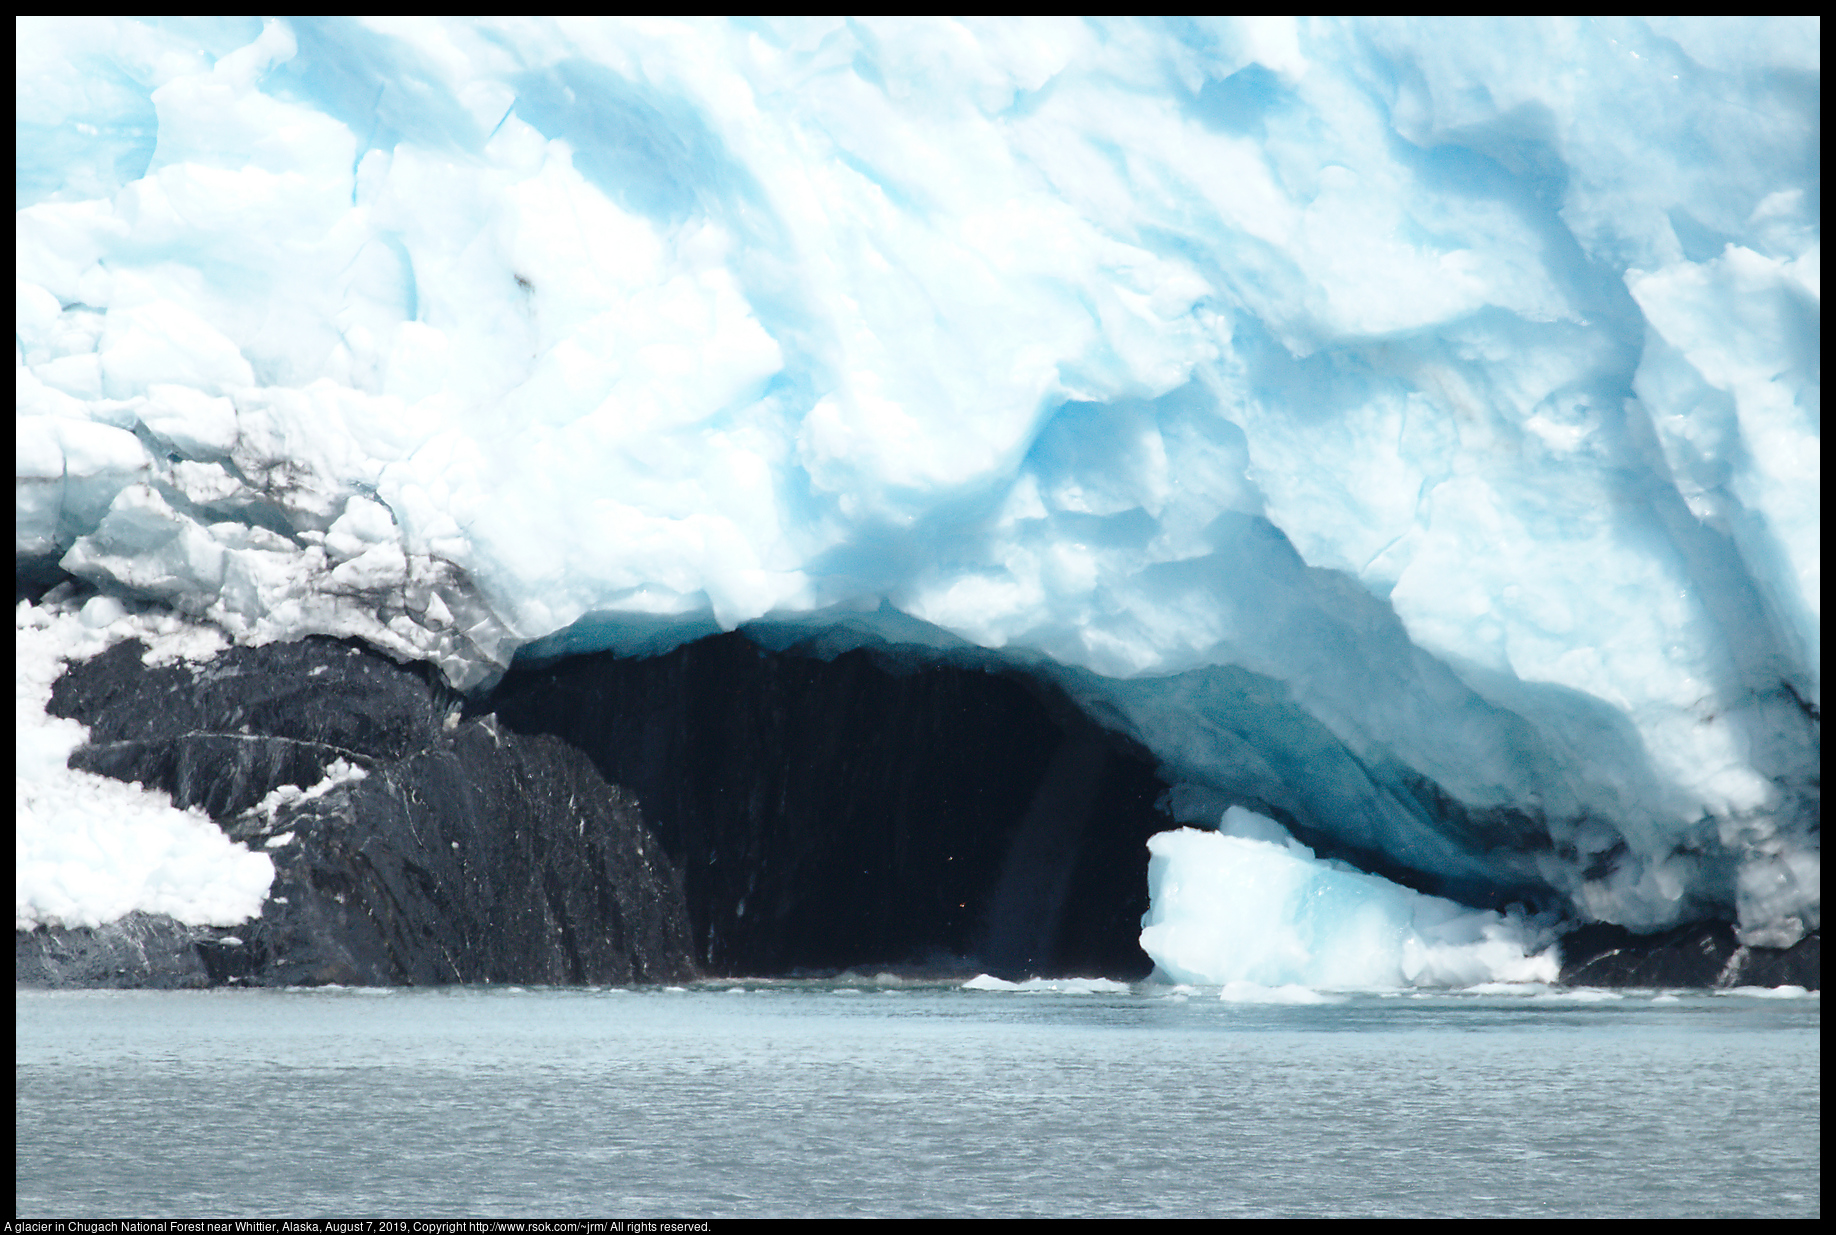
411, 845
1701, 954
141, 951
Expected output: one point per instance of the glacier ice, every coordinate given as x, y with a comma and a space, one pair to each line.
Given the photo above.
1407, 430
1248, 905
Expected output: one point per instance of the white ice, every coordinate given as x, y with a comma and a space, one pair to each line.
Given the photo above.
1054, 986
1249, 909
1354, 412
87, 849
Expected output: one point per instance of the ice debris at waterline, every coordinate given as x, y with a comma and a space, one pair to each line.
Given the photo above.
1249, 904
1408, 430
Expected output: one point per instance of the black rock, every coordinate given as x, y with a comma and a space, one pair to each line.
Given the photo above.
142, 950
461, 853
1798, 965
1701, 954
489, 858
331, 695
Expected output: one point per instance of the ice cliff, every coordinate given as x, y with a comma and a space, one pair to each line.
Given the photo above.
1407, 431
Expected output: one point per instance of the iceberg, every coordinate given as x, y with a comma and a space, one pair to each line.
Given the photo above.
1246, 906
1407, 431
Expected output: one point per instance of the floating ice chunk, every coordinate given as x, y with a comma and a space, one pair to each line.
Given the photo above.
1230, 909
1061, 986
1250, 992
1518, 989
1081, 986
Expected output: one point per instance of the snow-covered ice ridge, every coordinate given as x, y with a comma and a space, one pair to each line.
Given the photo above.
1410, 429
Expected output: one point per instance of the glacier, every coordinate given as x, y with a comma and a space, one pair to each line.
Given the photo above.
1408, 431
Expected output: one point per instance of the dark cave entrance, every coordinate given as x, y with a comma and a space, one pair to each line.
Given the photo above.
848, 813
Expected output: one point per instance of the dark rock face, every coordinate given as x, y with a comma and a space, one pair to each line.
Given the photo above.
221, 735
1604, 955
840, 813
141, 951
1703, 954
1799, 965
463, 854
485, 859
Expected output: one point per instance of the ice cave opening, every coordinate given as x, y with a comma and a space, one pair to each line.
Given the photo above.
863, 810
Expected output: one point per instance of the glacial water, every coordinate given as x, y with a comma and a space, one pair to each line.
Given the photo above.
906, 1099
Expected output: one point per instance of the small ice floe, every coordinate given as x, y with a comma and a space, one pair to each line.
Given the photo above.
1061, 986
1290, 993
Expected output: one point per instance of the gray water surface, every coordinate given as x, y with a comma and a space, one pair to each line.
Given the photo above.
825, 1098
